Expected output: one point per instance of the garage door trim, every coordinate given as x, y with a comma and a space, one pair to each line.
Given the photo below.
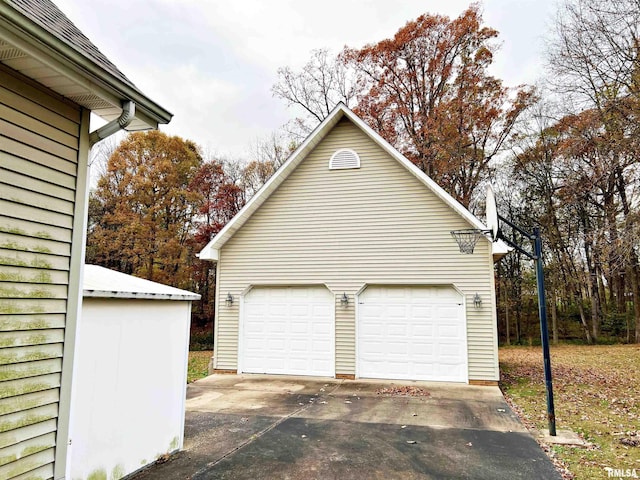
241, 320
416, 285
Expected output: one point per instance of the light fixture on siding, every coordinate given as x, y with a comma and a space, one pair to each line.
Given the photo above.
229, 300
477, 301
344, 300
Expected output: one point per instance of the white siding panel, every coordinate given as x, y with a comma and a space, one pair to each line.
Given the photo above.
38, 166
11, 163
26, 227
347, 228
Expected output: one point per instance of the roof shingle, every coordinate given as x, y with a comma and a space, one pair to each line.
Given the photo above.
47, 15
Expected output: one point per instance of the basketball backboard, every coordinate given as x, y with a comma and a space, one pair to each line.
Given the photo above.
493, 222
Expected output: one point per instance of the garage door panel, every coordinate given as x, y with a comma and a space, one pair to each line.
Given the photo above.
395, 348
299, 310
255, 328
275, 327
396, 329
414, 333
449, 331
300, 326
398, 369
288, 330
298, 346
322, 309
276, 310
256, 343
421, 331
275, 344
372, 330
321, 329
320, 347
423, 310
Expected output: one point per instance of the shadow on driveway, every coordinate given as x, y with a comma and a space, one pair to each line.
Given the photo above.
263, 427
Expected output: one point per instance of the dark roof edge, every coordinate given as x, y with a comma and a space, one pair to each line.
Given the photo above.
43, 40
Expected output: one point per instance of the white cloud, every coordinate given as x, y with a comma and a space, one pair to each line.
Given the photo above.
212, 63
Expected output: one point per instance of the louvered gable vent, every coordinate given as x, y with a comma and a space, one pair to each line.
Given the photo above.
344, 158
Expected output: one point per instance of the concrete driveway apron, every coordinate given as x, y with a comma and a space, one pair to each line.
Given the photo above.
263, 427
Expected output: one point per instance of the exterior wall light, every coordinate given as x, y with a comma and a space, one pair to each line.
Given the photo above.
229, 300
477, 301
344, 300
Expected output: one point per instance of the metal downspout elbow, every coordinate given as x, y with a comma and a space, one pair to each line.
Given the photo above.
120, 123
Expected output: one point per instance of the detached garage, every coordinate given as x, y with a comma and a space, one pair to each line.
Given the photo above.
343, 265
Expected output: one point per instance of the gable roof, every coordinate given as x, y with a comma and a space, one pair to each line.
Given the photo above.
210, 251
39, 41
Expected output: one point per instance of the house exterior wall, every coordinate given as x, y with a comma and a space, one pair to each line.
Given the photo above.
348, 228
42, 200
134, 412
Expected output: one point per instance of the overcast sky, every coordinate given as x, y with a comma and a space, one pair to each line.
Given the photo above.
212, 63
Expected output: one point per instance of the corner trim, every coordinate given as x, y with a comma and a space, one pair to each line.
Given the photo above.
74, 302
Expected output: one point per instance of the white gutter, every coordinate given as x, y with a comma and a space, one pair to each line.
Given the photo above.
120, 123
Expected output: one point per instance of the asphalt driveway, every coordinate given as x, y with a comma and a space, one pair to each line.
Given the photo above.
255, 427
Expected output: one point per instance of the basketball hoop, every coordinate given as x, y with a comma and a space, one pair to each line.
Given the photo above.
467, 239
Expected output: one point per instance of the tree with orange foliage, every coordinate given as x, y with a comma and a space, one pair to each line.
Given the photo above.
220, 198
428, 92
142, 211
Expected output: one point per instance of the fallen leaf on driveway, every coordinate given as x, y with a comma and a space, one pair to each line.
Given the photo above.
407, 391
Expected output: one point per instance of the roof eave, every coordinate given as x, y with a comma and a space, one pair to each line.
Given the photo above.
69, 62
499, 250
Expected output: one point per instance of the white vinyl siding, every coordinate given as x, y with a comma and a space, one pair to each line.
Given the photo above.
39, 143
374, 225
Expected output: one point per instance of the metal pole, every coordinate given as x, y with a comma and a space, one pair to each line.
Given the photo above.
544, 333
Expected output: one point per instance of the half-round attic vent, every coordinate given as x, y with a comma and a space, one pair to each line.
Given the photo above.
344, 158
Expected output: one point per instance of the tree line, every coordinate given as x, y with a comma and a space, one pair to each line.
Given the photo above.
562, 155
158, 202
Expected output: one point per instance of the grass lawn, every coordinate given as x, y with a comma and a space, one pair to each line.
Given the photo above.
597, 394
198, 363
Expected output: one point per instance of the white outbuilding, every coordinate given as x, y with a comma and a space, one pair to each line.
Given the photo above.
130, 374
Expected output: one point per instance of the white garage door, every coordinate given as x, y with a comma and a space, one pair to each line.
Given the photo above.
288, 330
412, 333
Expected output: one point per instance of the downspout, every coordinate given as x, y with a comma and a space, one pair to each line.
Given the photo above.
120, 123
